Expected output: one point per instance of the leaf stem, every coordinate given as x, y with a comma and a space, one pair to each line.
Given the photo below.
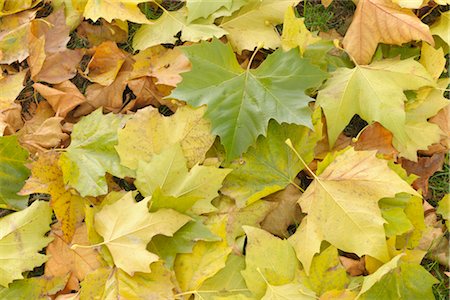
289, 143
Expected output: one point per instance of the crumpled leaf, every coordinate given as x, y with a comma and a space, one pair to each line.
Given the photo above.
91, 153
149, 133
105, 63
112, 9
47, 177
276, 266
241, 102
128, 226
269, 166
12, 172
375, 93
76, 263
22, 235
346, 195
63, 97
168, 172
381, 21
254, 24
174, 22
113, 283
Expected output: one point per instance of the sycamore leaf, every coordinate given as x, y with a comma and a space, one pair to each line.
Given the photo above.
375, 93
13, 172
275, 265
148, 133
228, 282
433, 60
76, 263
10, 87
12, 7
344, 198
441, 27
14, 37
112, 9
288, 291
405, 281
36, 288
270, 166
22, 235
161, 63
182, 241
47, 177
105, 63
203, 9
174, 22
168, 172
254, 24
241, 102
206, 259
295, 33
128, 226
381, 21
91, 153
106, 283
326, 273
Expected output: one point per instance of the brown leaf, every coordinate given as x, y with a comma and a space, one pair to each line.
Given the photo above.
354, 267
163, 64
286, 211
109, 97
381, 21
60, 66
63, 97
376, 137
43, 131
63, 260
10, 119
97, 34
105, 63
442, 119
147, 93
425, 167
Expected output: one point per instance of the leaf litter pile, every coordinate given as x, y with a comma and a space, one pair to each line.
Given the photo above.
232, 149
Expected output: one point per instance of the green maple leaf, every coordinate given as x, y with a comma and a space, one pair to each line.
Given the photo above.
270, 166
13, 172
21, 237
375, 93
91, 153
241, 102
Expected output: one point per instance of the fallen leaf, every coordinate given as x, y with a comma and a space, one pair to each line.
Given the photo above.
22, 236
148, 133
331, 197
13, 172
381, 21
241, 102
38, 288
376, 137
444, 209
441, 27
128, 226
63, 97
254, 24
116, 31
74, 262
112, 9
59, 67
163, 64
425, 167
105, 63
286, 211
148, 93
12, 7
14, 34
433, 60
354, 267
47, 177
